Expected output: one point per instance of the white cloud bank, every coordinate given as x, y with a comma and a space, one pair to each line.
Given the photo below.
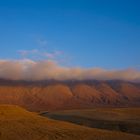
43, 70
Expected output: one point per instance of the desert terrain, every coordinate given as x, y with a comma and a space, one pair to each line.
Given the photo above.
69, 110
17, 123
60, 95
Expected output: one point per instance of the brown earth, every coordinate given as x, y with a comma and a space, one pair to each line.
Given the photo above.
19, 124
70, 94
116, 119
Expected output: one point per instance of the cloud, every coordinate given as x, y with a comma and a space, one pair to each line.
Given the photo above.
41, 54
25, 53
52, 55
27, 69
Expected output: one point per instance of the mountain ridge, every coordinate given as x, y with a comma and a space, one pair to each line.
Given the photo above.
53, 95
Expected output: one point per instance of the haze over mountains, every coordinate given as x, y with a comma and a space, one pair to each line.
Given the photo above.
27, 69
70, 94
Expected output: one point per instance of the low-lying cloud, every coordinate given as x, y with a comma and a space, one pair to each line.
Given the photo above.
45, 70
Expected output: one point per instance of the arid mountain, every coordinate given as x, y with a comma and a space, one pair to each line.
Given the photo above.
18, 124
51, 95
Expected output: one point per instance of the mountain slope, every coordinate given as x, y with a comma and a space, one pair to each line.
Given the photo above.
19, 124
108, 95
86, 93
69, 94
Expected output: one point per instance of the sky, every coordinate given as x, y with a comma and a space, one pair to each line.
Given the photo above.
74, 33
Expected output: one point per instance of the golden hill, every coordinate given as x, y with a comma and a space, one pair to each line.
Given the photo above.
19, 124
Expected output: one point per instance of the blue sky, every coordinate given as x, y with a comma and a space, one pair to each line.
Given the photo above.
85, 33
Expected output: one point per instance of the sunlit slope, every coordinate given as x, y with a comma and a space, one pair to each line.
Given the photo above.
19, 124
70, 95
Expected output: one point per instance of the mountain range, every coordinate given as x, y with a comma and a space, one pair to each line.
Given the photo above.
71, 94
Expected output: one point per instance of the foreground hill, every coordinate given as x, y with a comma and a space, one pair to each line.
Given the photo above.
19, 124
51, 95
118, 119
